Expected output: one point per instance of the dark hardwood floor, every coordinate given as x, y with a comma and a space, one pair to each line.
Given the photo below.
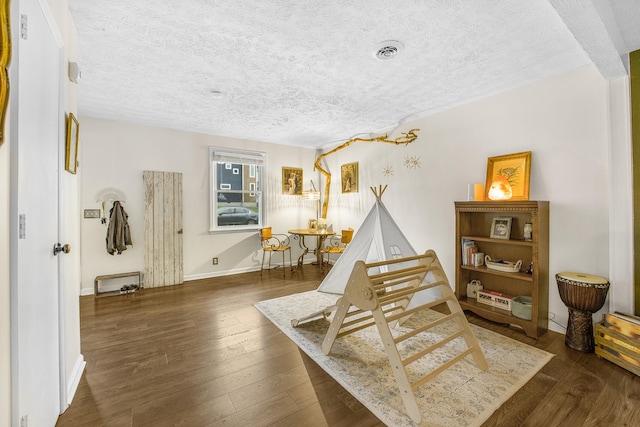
200, 354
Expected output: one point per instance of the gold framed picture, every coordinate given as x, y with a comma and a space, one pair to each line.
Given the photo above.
349, 175
73, 130
508, 177
292, 181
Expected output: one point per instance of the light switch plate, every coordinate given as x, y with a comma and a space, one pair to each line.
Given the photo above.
92, 213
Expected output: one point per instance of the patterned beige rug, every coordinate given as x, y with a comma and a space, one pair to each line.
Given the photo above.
462, 395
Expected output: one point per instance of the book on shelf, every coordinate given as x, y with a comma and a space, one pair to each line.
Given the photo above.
468, 247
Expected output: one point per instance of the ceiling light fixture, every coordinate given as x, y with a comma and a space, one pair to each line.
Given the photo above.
388, 49
216, 94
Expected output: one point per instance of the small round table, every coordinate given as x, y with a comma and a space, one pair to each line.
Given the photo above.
320, 234
583, 294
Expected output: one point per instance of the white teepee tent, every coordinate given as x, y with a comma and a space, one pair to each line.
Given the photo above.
378, 239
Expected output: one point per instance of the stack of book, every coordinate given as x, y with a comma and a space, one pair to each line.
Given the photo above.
470, 254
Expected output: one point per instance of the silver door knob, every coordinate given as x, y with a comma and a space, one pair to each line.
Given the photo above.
57, 248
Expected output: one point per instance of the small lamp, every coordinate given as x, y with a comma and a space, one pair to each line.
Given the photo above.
500, 189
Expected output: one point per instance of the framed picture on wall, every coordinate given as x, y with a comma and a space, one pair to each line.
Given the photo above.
349, 175
292, 181
508, 177
73, 129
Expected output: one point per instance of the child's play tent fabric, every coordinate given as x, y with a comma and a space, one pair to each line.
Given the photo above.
378, 239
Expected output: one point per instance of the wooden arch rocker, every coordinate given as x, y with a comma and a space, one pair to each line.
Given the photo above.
381, 296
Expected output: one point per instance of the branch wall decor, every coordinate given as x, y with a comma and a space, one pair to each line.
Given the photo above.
405, 139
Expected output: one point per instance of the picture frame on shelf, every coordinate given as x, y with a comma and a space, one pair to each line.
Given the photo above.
313, 224
349, 177
508, 177
501, 228
73, 131
292, 181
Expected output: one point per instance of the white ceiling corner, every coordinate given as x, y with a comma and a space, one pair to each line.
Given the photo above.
304, 73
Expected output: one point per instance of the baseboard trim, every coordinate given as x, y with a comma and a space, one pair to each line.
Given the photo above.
74, 379
208, 275
211, 274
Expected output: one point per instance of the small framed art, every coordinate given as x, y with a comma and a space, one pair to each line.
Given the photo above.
292, 181
349, 175
73, 129
501, 228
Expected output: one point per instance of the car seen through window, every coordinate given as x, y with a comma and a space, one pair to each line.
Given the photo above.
236, 216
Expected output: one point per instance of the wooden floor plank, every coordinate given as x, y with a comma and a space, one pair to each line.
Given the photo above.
200, 354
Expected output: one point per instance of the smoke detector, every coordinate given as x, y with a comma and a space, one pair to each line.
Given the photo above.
388, 49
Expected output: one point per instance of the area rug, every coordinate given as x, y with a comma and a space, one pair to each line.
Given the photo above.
461, 395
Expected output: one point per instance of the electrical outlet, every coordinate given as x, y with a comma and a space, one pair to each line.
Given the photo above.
215, 261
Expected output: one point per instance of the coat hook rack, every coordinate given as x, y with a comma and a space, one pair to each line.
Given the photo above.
110, 195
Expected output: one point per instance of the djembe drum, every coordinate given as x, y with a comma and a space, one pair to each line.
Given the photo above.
583, 294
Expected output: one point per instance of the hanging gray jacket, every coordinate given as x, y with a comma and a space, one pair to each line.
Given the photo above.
118, 233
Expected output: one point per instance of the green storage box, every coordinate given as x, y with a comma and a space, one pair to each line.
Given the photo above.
521, 307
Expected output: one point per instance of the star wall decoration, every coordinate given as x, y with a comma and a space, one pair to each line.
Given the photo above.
412, 162
387, 171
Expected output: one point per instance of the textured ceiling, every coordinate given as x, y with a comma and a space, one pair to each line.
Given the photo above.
304, 72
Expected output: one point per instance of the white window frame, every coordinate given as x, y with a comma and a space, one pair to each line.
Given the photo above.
230, 156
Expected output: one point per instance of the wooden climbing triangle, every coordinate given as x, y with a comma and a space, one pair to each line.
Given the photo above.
381, 293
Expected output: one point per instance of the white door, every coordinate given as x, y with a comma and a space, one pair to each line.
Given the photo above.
35, 139
162, 229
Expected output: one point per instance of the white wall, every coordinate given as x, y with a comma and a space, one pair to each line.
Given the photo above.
562, 120
114, 155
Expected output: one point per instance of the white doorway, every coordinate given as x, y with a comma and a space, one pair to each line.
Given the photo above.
36, 134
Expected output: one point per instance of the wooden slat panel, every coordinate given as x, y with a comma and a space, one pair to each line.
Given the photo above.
168, 231
158, 228
148, 278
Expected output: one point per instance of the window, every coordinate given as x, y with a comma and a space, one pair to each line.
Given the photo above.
236, 189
